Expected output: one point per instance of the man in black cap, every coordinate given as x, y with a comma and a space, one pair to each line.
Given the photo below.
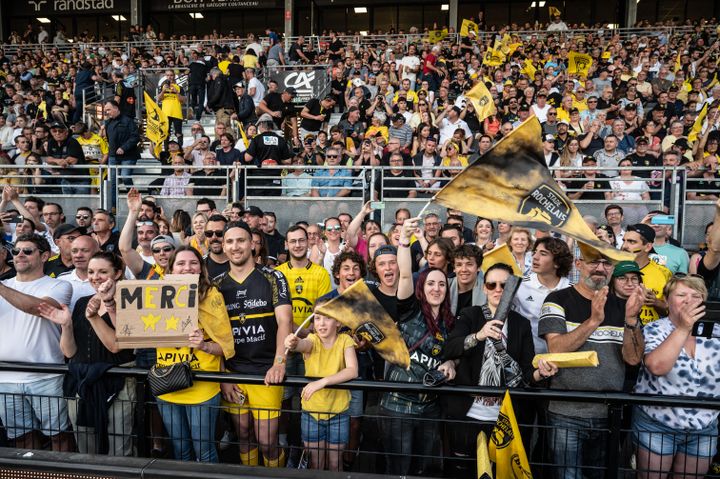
402, 131
244, 105
265, 150
63, 237
252, 216
65, 152
639, 240
280, 108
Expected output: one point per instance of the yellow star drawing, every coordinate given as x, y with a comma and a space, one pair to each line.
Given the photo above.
171, 323
150, 321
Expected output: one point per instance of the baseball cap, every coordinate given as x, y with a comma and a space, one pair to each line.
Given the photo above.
162, 239
549, 138
643, 230
642, 139
398, 117
67, 228
682, 143
253, 211
563, 122
385, 249
291, 91
624, 267
58, 125
239, 85
264, 118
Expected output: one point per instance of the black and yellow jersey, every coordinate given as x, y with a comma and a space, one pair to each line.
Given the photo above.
306, 286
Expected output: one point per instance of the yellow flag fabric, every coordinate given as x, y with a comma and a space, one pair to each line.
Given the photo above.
435, 36
512, 47
213, 319
243, 135
358, 309
512, 183
482, 100
528, 69
493, 58
484, 468
678, 65
579, 63
500, 254
553, 11
157, 126
697, 126
506, 449
468, 26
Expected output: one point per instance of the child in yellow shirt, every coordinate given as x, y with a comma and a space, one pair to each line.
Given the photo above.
325, 423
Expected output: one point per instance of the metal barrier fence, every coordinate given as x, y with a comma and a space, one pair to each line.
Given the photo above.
314, 41
298, 192
426, 445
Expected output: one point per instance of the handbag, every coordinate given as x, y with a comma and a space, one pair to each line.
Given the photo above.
169, 379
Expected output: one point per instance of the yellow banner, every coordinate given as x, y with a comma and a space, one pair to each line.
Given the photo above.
435, 36
512, 183
579, 64
697, 125
493, 58
553, 11
529, 69
358, 309
157, 126
482, 100
467, 27
506, 449
501, 254
484, 468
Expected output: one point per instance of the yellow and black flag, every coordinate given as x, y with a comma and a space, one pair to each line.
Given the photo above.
482, 100
157, 125
506, 447
358, 309
484, 468
468, 26
579, 64
553, 11
511, 183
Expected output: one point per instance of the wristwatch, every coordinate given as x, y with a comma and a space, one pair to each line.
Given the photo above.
280, 360
632, 326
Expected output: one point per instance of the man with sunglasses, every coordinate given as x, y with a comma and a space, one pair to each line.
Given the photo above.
31, 339
161, 246
584, 317
216, 260
62, 262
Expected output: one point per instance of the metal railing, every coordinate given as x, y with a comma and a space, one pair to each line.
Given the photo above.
614, 435
269, 186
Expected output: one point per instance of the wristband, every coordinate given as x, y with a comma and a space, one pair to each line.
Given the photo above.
633, 326
404, 245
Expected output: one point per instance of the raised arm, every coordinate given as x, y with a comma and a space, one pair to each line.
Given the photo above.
132, 258
352, 234
405, 286
571, 341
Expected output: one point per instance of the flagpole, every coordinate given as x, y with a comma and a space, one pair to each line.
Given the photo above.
304, 323
427, 205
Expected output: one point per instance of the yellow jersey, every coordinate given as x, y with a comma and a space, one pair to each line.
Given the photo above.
94, 148
306, 286
322, 362
171, 104
654, 278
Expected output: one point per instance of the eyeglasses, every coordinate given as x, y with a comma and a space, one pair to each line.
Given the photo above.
216, 233
600, 262
492, 285
164, 249
331, 156
629, 279
686, 275
25, 251
333, 228
82, 217
552, 113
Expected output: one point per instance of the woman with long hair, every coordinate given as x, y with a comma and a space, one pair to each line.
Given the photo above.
424, 319
484, 230
190, 414
198, 239
520, 243
88, 336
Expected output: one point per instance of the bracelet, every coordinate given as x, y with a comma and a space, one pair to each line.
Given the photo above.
632, 326
109, 301
404, 245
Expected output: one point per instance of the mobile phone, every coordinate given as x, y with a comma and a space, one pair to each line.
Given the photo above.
662, 220
15, 219
377, 205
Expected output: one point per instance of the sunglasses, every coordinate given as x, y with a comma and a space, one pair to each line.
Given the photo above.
331, 156
216, 233
333, 228
82, 217
164, 249
492, 285
140, 223
25, 251
686, 275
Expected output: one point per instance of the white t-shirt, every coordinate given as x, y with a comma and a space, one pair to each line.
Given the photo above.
28, 338
411, 62
80, 287
540, 113
447, 129
259, 90
528, 302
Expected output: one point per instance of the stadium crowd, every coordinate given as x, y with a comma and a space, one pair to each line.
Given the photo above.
645, 101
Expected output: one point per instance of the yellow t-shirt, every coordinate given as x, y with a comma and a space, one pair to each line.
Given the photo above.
214, 322
322, 362
654, 278
306, 286
171, 101
374, 130
94, 147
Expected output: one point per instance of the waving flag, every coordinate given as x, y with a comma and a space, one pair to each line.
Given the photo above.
579, 64
506, 448
157, 126
511, 183
482, 100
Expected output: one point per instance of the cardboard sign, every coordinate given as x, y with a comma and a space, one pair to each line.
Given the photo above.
156, 313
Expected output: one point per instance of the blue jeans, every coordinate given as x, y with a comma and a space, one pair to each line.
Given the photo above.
126, 172
577, 442
192, 428
74, 187
405, 436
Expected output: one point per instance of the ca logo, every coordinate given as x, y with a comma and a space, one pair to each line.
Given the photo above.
300, 80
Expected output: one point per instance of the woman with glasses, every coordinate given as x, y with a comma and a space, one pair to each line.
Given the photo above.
471, 343
677, 441
417, 117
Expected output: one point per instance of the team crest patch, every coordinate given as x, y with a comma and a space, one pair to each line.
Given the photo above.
370, 332
546, 205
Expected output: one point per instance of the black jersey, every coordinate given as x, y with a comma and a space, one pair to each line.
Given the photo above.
251, 307
54, 267
216, 269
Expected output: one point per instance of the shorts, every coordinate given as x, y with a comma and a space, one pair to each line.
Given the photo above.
355, 409
38, 405
295, 366
335, 430
262, 401
666, 441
